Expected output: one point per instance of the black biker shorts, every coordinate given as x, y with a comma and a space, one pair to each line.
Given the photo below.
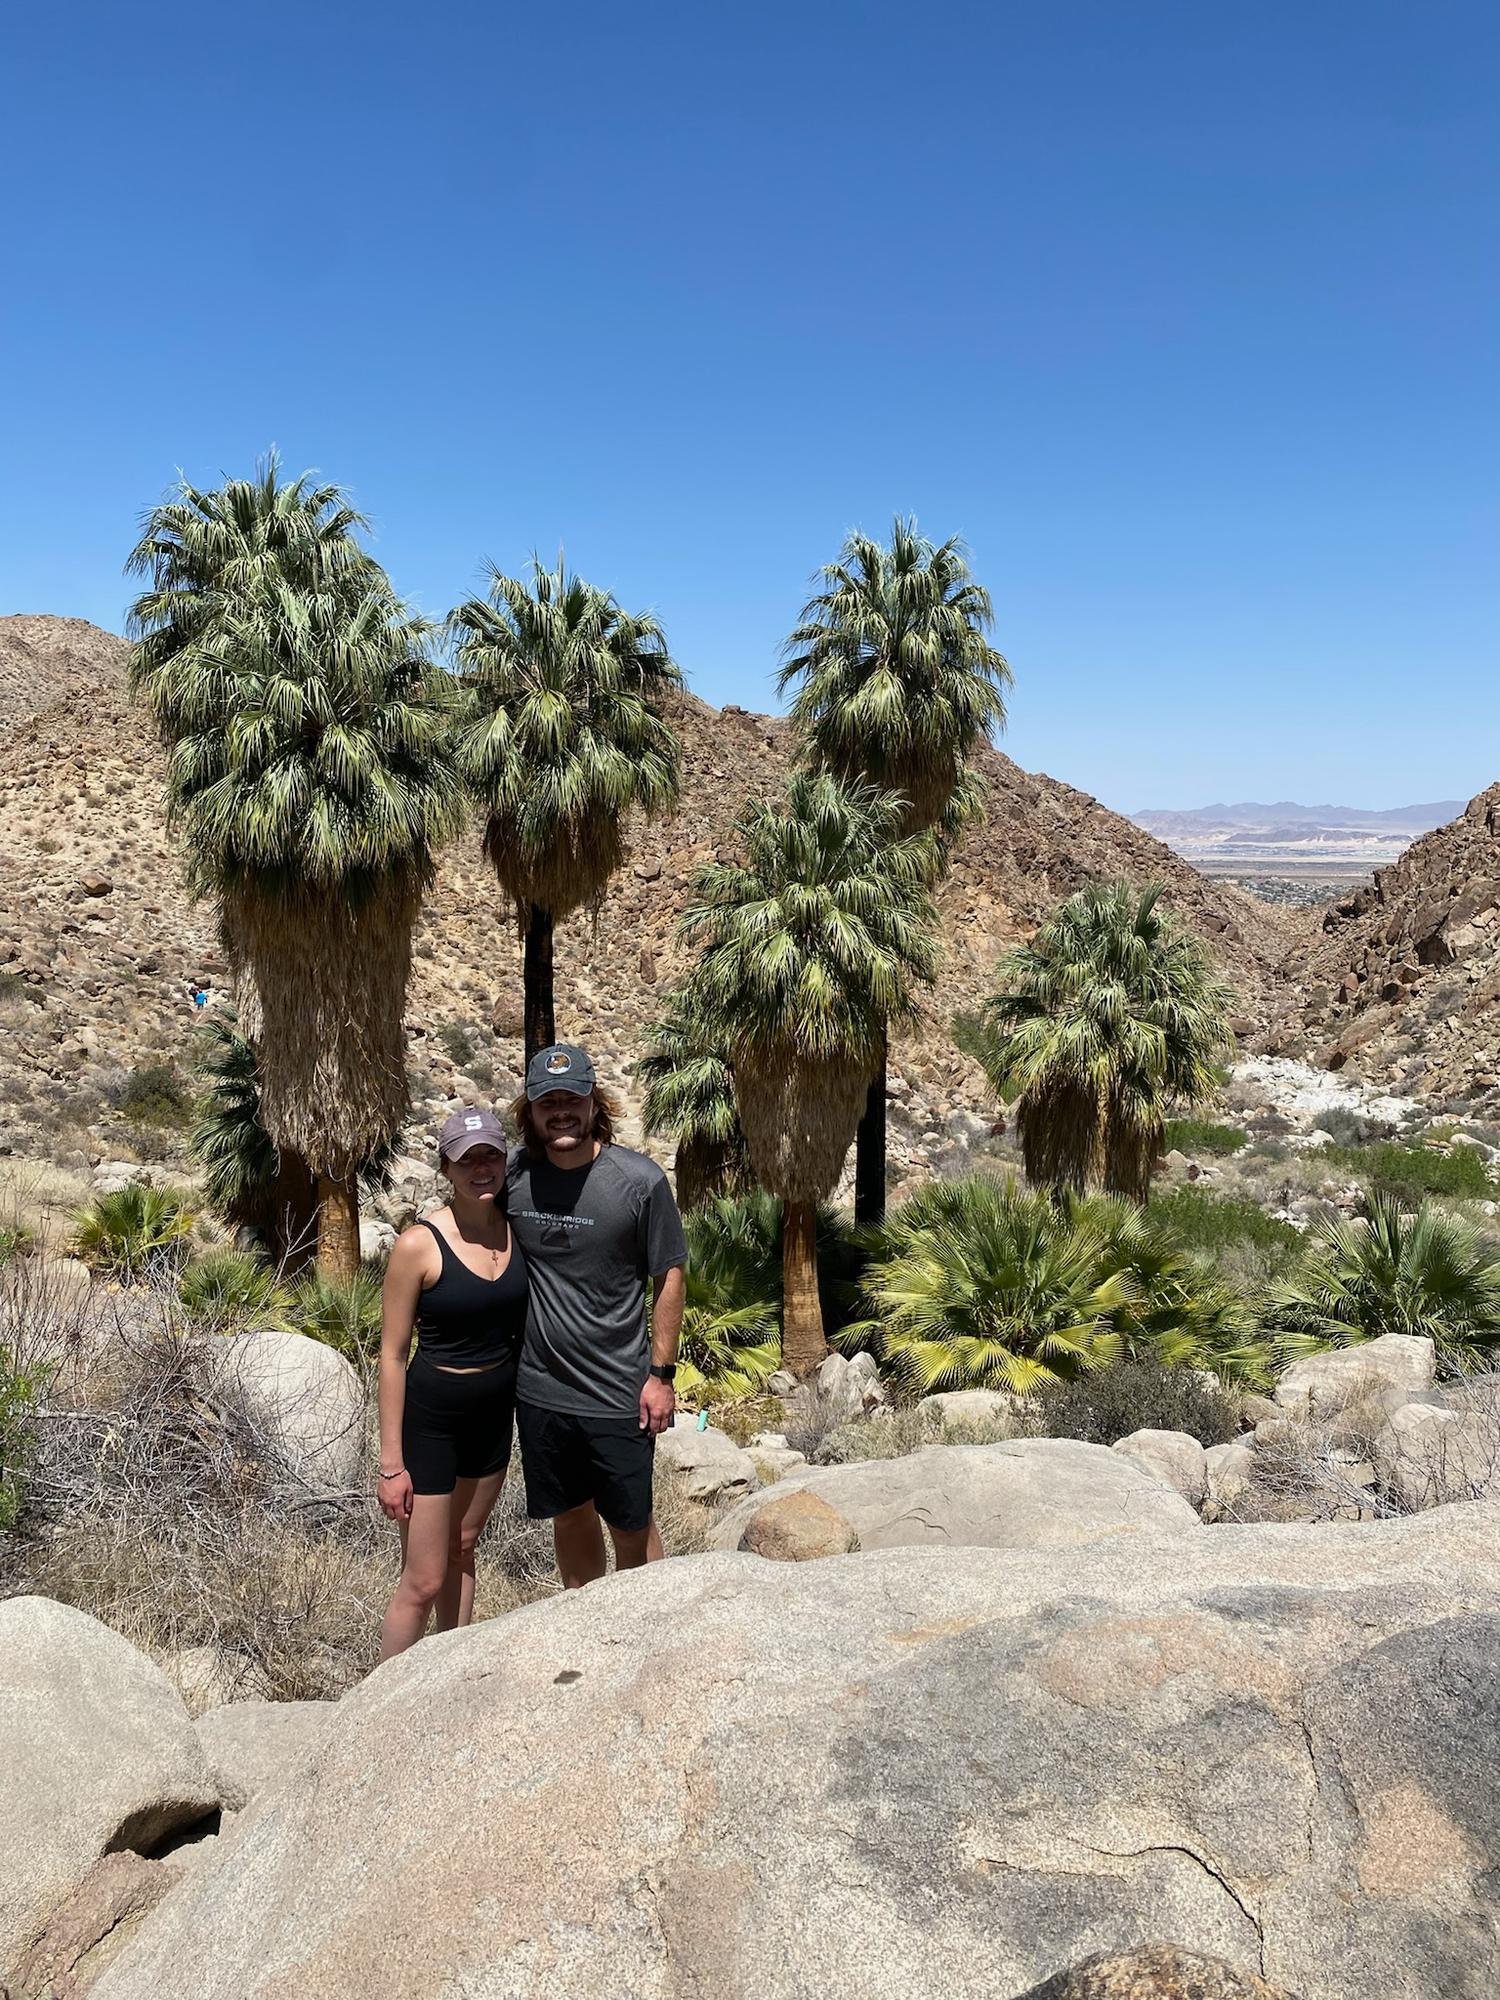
569, 1459
456, 1426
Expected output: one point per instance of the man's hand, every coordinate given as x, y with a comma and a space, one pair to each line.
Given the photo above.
658, 1405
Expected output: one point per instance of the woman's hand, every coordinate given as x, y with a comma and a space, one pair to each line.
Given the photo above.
395, 1495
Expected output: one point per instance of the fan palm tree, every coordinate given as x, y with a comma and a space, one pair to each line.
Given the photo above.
690, 1098
977, 1284
810, 945
248, 1180
1430, 1274
213, 556
1104, 1021
310, 783
562, 738
898, 685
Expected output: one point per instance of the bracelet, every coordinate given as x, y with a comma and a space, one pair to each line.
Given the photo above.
394, 1475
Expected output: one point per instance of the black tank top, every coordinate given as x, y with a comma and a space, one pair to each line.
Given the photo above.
465, 1321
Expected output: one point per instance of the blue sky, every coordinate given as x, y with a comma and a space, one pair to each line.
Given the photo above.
1184, 316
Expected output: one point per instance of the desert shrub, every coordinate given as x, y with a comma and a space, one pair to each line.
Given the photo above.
17, 1239
17, 1439
153, 1094
1348, 1128
135, 1233
345, 1316
1410, 1172
1210, 1224
1431, 1274
228, 1290
1201, 1135
1110, 1403
458, 1042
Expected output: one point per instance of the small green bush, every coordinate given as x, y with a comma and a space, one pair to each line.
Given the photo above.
1110, 1403
17, 1401
16, 1240
1347, 1127
154, 1095
1210, 1223
458, 1041
1410, 1172
135, 1233
227, 1290
343, 1316
1201, 1135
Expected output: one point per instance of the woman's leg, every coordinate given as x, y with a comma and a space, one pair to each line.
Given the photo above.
425, 1542
473, 1503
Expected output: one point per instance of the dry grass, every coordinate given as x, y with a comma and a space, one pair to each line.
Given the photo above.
155, 1504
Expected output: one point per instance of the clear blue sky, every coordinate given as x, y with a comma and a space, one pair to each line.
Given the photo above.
1183, 315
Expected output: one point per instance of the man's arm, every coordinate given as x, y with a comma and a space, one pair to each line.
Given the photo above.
659, 1399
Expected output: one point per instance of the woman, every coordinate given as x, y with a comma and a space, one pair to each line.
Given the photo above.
457, 1279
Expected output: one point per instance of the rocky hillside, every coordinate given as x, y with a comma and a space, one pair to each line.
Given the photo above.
1403, 982
99, 945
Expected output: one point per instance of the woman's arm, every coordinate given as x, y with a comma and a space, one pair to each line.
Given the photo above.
398, 1313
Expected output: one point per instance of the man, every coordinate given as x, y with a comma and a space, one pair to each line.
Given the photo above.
594, 1221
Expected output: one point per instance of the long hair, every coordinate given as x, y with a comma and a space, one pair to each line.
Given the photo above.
606, 1111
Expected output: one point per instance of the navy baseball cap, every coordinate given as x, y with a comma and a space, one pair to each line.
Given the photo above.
467, 1129
562, 1067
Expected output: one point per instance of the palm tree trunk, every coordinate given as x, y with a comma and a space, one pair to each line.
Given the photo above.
540, 1023
294, 1210
338, 1228
869, 1146
803, 1347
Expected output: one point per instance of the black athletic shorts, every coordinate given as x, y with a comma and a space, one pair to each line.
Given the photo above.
568, 1460
456, 1426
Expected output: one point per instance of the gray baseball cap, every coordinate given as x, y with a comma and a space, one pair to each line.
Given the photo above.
562, 1067
469, 1128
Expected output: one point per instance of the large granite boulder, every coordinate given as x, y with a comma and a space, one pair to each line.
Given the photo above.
1396, 1368
919, 1774
1176, 1458
708, 1461
97, 1754
1028, 1493
251, 1745
305, 1402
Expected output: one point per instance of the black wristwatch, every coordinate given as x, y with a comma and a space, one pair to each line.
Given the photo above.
664, 1371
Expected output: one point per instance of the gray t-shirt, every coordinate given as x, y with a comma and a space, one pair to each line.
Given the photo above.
591, 1237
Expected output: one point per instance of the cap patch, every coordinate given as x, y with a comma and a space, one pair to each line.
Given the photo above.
473, 1124
559, 1063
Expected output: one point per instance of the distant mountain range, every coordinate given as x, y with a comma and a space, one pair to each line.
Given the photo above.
1337, 841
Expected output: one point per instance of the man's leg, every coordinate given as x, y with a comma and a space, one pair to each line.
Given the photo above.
635, 1547
579, 1542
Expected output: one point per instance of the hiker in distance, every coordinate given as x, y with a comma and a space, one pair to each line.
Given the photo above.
458, 1281
595, 1221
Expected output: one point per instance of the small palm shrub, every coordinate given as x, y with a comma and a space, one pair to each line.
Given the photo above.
1201, 1135
1431, 1274
345, 1316
977, 1284
17, 1401
735, 1245
1180, 1312
138, 1232
1111, 1403
727, 1352
228, 1290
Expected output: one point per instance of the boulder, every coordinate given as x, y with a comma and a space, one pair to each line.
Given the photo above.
1156, 1972
712, 1466
1428, 1457
98, 1754
774, 1458
303, 1400
251, 1745
1174, 1457
90, 1926
918, 1774
955, 1411
1031, 1493
377, 1239
1323, 1384
1230, 1468
797, 1527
